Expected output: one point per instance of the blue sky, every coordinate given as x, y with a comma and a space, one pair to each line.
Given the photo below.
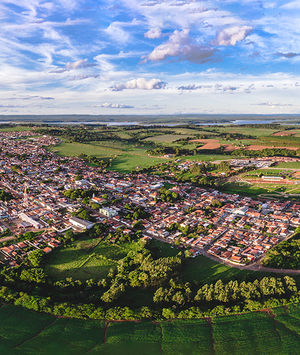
149, 57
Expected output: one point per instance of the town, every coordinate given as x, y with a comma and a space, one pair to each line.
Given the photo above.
39, 195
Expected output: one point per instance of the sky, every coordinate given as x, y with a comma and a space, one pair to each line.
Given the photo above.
146, 57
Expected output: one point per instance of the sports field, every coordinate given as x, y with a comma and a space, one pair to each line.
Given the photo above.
274, 332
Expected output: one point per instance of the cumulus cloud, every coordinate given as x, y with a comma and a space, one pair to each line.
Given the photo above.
181, 46
153, 33
230, 36
74, 65
287, 55
110, 105
140, 83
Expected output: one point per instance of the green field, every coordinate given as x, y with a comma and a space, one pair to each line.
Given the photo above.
206, 157
27, 332
15, 129
75, 149
167, 138
126, 162
86, 258
204, 270
291, 165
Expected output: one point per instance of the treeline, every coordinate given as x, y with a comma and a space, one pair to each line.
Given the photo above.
97, 161
231, 294
170, 150
91, 311
267, 152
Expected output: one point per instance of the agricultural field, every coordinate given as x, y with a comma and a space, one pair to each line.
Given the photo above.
86, 258
275, 332
166, 138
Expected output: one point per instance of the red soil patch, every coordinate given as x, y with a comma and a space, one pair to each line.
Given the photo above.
230, 147
210, 146
261, 147
285, 133
209, 143
261, 181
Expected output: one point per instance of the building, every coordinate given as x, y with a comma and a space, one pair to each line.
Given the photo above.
108, 212
30, 220
81, 223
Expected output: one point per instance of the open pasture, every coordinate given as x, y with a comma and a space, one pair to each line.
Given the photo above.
85, 259
75, 149
126, 162
166, 138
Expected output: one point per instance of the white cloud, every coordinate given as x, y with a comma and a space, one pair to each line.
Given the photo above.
140, 83
230, 36
153, 33
292, 5
77, 64
272, 104
181, 46
110, 105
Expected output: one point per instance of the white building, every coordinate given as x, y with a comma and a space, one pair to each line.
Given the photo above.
109, 212
81, 223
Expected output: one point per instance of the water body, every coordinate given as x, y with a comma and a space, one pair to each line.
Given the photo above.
95, 123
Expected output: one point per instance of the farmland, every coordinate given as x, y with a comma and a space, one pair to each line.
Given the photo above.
274, 332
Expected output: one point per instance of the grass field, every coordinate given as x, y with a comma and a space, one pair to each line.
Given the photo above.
167, 138
244, 189
206, 157
126, 162
204, 270
75, 149
86, 258
291, 165
26, 332
15, 129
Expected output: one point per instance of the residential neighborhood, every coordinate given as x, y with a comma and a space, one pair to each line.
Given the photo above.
233, 228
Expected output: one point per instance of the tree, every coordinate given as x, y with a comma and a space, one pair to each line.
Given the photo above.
36, 257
